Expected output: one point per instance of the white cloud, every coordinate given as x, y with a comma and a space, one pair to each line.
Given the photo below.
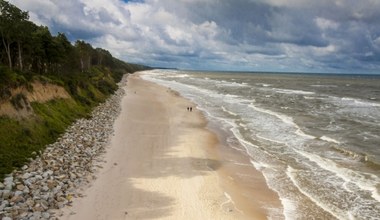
240, 34
324, 23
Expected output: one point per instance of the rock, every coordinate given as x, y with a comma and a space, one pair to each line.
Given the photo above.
51, 179
26, 190
20, 187
37, 215
47, 173
44, 204
6, 218
26, 176
51, 184
39, 177
18, 193
30, 202
45, 189
45, 215
73, 176
6, 194
17, 199
8, 180
61, 177
61, 204
38, 208
24, 214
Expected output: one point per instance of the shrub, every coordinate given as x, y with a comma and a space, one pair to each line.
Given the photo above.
19, 101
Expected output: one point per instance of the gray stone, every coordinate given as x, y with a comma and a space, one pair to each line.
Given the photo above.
44, 204
8, 180
8, 183
5, 203
26, 175
19, 193
6, 218
37, 215
17, 199
45, 215
44, 183
30, 202
20, 187
26, 190
45, 189
48, 173
6, 194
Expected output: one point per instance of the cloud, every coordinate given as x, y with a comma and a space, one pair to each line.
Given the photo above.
269, 35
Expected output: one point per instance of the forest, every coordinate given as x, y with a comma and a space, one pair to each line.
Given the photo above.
30, 53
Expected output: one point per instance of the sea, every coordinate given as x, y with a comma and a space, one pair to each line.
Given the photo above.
314, 137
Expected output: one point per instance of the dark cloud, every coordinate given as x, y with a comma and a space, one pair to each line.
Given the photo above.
272, 35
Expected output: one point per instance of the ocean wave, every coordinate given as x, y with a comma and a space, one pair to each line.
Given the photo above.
325, 86
276, 143
334, 211
229, 112
263, 84
361, 157
286, 119
365, 181
359, 102
328, 139
291, 91
353, 102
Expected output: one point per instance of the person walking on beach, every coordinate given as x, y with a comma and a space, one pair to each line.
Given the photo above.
191, 109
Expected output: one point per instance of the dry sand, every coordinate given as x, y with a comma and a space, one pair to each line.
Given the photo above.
162, 163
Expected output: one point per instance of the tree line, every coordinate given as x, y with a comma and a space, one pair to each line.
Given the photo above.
29, 53
28, 47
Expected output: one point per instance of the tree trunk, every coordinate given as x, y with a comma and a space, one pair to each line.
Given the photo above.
81, 64
7, 46
100, 60
89, 62
20, 55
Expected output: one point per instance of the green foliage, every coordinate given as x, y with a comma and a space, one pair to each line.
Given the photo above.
18, 101
20, 138
30, 53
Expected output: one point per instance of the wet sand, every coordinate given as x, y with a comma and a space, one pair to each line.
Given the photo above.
163, 163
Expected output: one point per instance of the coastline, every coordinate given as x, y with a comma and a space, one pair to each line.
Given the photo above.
163, 162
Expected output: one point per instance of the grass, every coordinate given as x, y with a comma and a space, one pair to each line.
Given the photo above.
19, 138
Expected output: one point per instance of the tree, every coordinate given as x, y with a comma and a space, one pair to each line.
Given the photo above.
42, 49
85, 52
23, 37
11, 22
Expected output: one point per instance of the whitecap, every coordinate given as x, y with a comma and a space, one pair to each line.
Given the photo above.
328, 139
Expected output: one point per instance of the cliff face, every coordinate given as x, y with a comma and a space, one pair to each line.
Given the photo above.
34, 114
18, 105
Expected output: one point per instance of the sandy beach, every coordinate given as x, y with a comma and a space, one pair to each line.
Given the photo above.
163, 163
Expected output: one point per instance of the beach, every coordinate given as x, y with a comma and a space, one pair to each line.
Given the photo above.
162, 163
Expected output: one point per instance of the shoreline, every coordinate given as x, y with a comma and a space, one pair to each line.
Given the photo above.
165, 162
155, 165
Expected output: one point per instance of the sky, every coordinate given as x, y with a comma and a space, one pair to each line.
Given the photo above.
340, 36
